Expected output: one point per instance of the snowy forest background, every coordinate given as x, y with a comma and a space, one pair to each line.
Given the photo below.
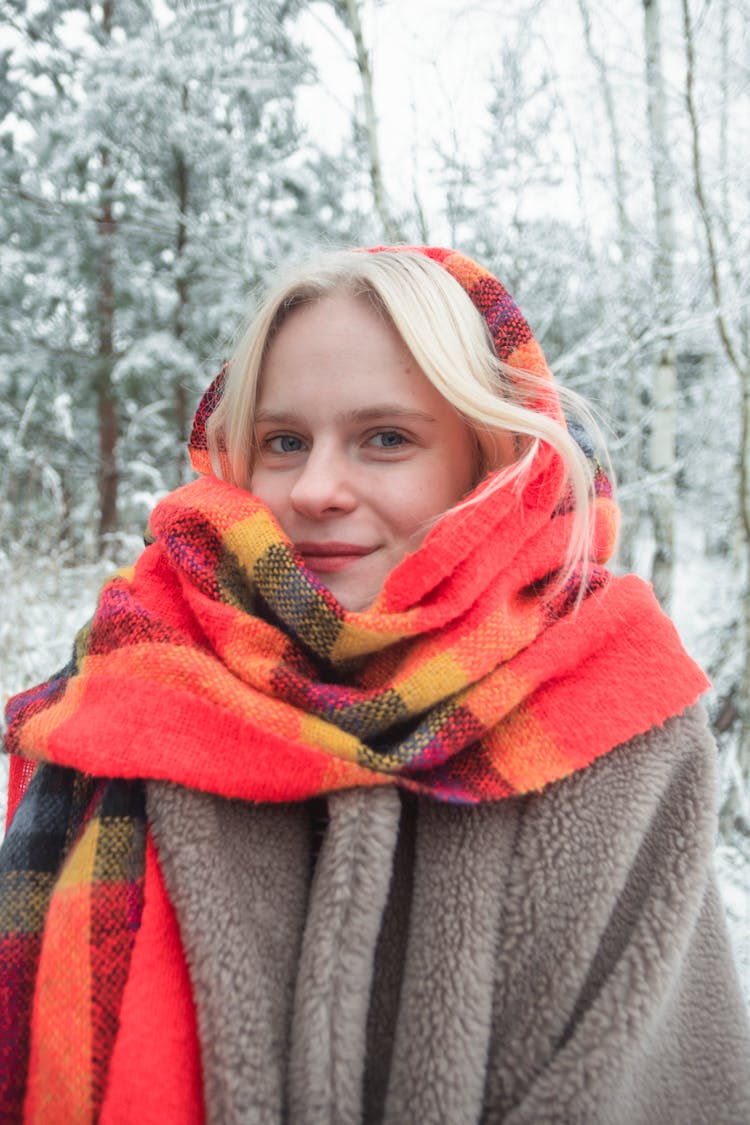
158, 156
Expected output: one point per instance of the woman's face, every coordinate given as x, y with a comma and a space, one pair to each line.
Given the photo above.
358, 453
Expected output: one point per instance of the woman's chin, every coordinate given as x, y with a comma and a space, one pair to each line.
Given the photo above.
354, 593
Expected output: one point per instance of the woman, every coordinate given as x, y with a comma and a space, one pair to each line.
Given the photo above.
369, 793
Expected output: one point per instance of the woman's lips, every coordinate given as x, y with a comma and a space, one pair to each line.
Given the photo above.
326, 558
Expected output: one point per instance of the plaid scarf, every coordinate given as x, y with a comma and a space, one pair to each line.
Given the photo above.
221, 663
71, 896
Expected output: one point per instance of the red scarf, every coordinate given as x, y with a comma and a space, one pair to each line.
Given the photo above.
221, 663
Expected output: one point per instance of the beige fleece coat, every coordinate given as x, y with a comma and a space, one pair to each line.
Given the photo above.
554, 958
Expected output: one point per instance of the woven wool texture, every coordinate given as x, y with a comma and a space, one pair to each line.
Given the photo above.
71, 894
219, 662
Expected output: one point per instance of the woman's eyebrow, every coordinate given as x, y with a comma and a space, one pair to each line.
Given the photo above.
366, 414
384, 410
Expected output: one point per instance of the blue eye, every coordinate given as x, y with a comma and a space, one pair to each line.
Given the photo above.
284, 443
388, 439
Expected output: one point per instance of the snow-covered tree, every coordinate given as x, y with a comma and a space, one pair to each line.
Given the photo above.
154, 170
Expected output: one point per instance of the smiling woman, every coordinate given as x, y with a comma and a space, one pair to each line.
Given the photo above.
370, 793
427, 323
358, 454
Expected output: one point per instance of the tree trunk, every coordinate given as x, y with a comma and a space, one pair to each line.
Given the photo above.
182, 285
349, 14
108, 429
735, 803
108, 426
663, 436
626, 408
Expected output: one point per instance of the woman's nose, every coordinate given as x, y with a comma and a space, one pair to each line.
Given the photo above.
324, 484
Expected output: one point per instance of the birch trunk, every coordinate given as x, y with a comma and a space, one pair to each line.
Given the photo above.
349, 12
663, 439
628, 409
734, 812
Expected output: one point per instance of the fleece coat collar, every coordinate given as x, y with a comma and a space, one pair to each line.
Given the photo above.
442, 965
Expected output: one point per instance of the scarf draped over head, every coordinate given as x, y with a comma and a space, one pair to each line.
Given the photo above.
220, 662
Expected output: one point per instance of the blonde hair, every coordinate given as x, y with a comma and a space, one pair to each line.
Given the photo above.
451, 343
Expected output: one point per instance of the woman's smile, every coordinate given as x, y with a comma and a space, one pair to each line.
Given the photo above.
328, 558
358, 454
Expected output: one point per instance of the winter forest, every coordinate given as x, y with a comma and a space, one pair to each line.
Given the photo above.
159, 156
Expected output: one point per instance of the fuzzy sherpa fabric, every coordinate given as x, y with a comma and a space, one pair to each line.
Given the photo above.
556, 958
